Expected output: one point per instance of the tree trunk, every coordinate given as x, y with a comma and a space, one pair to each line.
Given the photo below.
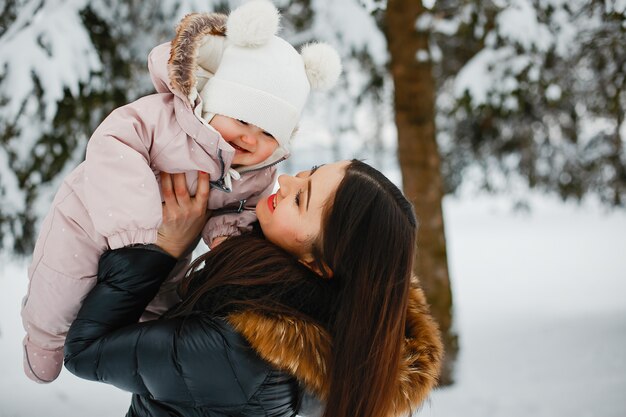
420, 162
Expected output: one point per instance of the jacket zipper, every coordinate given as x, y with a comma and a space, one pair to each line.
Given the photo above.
266, 166
228, 210
219, 184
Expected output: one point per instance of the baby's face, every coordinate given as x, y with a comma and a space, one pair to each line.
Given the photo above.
252, 144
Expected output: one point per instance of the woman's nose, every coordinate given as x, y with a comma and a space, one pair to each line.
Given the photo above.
285, 183
282, 182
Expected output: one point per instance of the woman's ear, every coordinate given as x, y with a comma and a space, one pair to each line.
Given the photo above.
318, 267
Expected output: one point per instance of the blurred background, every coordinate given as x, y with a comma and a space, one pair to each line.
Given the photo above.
503, 121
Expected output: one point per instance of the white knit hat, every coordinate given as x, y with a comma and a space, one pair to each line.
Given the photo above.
261, 78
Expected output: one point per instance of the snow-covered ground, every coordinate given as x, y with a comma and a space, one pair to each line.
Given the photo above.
540, 309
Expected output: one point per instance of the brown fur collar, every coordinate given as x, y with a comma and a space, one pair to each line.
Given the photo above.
303, 349
190, 34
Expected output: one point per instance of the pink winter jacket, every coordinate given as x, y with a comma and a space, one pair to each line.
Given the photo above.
113, 199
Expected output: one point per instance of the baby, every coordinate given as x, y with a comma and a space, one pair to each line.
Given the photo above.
230, 94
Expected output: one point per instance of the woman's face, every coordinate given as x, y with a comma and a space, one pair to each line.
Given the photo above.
292, 217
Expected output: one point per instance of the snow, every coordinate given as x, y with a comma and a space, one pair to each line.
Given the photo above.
518, 42
540, 310
58, 58
549, 367
429, 4
358, 32
422, 55
553, 92
10, 192
482, 78
424, 22
518, 22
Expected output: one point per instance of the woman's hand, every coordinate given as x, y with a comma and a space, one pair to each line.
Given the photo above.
183, 216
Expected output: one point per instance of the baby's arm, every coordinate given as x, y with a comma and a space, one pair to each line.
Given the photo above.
101, 204
221, 226
121, 191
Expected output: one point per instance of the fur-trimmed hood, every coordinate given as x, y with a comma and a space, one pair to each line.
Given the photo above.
191, 58
196, 51
304, 350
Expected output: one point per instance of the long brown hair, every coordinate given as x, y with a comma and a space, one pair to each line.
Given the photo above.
249, 272
367, 240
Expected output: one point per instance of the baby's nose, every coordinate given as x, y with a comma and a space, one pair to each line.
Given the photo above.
249, 138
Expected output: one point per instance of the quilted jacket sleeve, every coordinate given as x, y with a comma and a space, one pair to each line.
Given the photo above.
121, 191
192, 361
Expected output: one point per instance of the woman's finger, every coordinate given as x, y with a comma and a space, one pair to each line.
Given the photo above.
181, 191
167, 189
202, 192
185, 218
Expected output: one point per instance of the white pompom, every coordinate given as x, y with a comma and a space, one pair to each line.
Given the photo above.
322, 65
252, 24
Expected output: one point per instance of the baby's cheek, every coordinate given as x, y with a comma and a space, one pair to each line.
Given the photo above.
272, 145
269, 151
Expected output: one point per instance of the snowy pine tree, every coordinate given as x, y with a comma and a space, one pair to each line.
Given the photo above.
540, 98
64, 65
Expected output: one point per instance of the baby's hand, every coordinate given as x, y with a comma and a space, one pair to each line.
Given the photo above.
217, 241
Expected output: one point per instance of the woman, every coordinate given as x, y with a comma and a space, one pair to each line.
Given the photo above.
323, 300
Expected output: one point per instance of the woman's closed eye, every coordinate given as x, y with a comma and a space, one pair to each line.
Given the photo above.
313, 169
305, 174
297, 198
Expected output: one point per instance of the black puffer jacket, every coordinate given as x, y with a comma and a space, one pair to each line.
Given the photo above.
192, 366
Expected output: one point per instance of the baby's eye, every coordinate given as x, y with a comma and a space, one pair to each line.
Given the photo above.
269, 135
242, 122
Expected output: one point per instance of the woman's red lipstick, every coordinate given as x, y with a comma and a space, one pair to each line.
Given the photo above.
270, 202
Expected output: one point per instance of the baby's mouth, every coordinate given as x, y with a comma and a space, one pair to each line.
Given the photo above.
238, 148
